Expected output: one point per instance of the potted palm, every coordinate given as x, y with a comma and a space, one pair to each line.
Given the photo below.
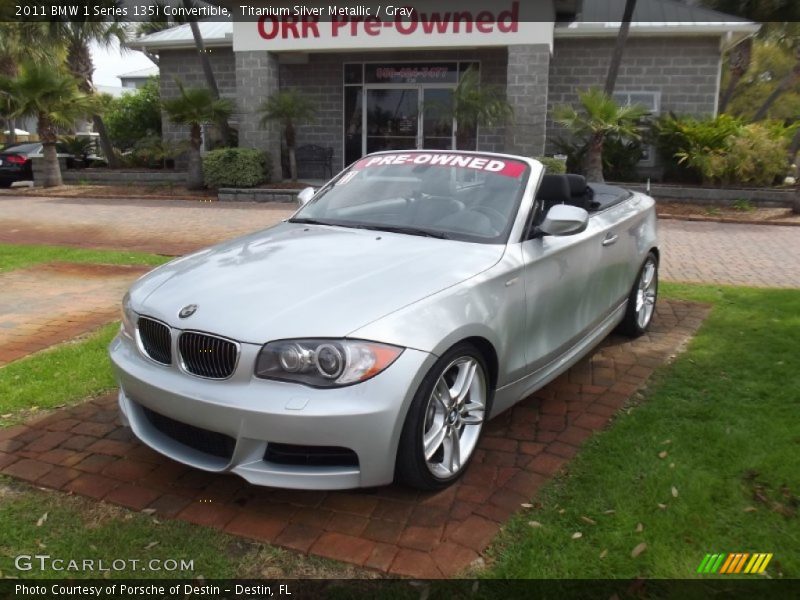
288, 108
196, 107
477, 105
600, 116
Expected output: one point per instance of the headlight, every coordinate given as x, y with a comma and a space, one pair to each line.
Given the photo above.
324, 363
128, 325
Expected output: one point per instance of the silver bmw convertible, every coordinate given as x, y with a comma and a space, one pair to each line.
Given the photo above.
369, 337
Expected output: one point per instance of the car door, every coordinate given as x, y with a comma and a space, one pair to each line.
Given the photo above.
562, 275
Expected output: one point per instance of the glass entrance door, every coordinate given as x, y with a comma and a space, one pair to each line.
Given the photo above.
392, 119
437, 122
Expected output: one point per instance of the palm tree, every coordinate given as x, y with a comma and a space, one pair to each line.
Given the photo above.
77, 37
476, 105
196, 107
19, 42
289, 108
619, 47
53, 98
600, 117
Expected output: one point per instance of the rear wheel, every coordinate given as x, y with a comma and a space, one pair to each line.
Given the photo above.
445, 420
642, 299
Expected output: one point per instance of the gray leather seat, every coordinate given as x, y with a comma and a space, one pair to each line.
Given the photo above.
436, 199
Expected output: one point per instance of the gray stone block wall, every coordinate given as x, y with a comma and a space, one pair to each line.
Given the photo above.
684, 70
321, 79
185, 65
256, 80
527, 90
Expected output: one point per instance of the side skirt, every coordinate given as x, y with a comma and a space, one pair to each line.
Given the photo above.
512, 393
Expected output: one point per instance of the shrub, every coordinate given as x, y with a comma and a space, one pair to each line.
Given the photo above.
134, 116
724, 149
152, 152
236, 167
757, 155
552, 165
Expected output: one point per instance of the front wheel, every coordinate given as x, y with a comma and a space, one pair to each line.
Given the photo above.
445, 420
642, 299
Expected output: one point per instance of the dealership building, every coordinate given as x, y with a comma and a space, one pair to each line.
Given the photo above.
378, 81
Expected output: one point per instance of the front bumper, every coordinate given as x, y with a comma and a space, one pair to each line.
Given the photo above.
366, 418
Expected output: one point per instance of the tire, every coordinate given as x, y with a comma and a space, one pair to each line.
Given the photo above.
642, 299
457, 422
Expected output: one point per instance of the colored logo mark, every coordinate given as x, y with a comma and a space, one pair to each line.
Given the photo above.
734, 562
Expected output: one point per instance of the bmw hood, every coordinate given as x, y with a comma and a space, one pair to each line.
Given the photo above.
298, 280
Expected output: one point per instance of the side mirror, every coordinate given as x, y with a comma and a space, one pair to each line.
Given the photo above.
305, 195
563, 219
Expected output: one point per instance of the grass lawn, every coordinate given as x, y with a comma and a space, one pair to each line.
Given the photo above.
709, 462
13, 256
64, 374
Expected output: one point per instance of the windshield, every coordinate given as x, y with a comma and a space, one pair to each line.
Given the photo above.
465, 197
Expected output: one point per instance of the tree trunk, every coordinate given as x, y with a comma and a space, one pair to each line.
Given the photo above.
208, 72
291, 138
789, 81
292, 163
739, 62
51, 174
622, 37
194, 170
11, 136
105, 142
594, 159
79, 63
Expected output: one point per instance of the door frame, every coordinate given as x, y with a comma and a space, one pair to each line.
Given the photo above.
420, 89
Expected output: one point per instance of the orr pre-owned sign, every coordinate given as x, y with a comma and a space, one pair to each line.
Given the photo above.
317, 26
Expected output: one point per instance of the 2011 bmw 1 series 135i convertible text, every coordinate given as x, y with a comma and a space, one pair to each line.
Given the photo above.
370, 336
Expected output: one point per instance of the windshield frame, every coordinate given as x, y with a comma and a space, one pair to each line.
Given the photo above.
500, 239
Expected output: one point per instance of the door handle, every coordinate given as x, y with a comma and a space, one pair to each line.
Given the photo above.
611, 238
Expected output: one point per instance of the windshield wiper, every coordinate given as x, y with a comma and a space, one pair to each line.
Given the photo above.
407, 230
310, 221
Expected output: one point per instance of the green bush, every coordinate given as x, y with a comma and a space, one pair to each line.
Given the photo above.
552, 165
723, 149
134, 116
236, 167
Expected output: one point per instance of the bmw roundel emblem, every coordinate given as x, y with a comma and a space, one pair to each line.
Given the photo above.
187, 311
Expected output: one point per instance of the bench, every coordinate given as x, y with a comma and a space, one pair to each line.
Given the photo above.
314, 161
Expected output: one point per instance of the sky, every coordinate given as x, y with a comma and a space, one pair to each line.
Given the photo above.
108, 63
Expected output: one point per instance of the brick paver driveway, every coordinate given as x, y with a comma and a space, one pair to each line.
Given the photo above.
759, 255
726, 253
172, 227
47, 304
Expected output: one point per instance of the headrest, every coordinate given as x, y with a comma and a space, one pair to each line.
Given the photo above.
554, 189
577, 184
436, 183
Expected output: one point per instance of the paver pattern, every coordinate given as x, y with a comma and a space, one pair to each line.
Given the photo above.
699, 252
84, 450
727, 253
171, 227
47, 304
